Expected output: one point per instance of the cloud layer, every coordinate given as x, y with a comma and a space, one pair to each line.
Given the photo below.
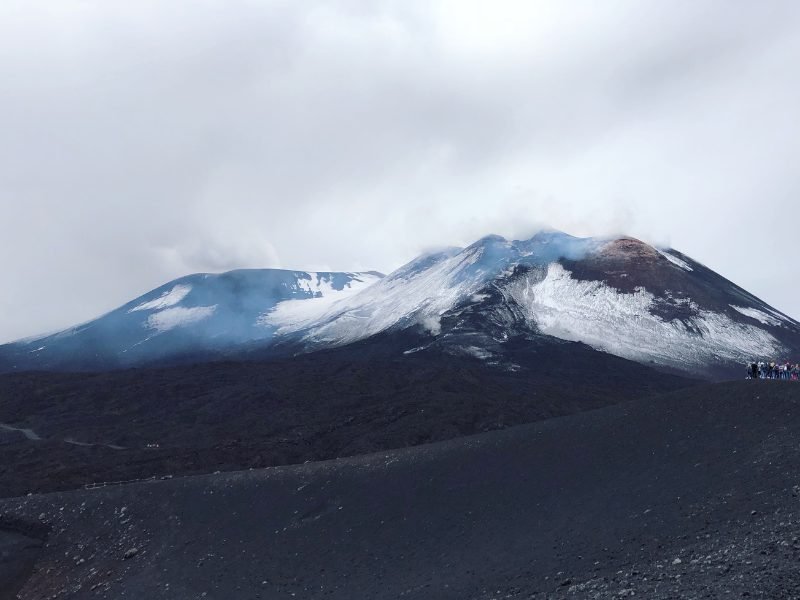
143, 141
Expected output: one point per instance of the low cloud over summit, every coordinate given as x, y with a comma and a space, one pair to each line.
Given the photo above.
145, 142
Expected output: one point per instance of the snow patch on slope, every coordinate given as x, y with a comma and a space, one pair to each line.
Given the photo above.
178, 316
758, 315
622, 324
165, 300
291, 314
320, 285
675, 260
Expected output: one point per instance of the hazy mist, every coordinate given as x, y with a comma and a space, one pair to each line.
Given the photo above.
144, 141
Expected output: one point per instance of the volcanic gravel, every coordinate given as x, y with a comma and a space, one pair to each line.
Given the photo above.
690, 495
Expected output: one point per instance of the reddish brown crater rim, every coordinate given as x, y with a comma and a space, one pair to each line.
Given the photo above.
629, 249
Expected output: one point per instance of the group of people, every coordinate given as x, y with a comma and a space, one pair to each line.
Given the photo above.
773, 370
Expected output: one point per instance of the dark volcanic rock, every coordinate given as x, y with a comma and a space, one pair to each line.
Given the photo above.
124, 425
20, 545
652, 499
130, 553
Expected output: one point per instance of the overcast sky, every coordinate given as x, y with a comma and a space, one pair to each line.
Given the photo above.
142, 141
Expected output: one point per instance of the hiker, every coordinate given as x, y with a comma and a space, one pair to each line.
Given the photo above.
753, 370
774, 369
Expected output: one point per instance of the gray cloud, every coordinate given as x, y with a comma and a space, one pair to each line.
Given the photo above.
143, 141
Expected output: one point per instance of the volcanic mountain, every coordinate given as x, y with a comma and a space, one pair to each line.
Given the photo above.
617, 295
195, 318
616, 473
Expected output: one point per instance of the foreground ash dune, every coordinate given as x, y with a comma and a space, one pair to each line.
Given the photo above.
617, 295
689, 495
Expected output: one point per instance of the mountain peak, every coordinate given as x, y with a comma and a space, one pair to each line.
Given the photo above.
619, 295
630, 248
488, 240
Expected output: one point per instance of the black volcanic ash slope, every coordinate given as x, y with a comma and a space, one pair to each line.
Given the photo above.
366, 397
693, 495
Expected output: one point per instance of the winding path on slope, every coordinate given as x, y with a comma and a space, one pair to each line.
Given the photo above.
28, 433
31, 435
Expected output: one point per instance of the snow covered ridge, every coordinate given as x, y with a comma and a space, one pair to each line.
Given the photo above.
323, 285
165, 300
413, 295
292, 314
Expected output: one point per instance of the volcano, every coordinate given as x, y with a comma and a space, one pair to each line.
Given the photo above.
510, 419
617, 295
